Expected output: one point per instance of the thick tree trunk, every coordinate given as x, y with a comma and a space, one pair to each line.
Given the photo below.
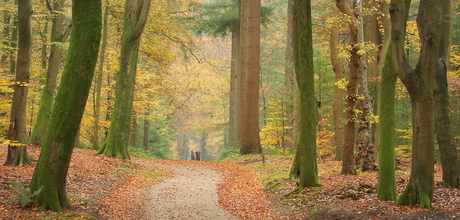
47, 96
69, 105
305, 165
337, 105
98, 83
17, 148
249, 138
136, 12
386, 189
420, 84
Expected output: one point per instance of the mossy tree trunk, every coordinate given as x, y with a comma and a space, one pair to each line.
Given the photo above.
420, 82
17, 148
116, 144
249, 78
69, 105
305, 165
386, 189
55, 57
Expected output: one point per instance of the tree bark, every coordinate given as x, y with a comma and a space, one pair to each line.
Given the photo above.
98, 83
55, 59
17, 148
136, 12
443, 121
249, 138
420, 84
337, 106
146, 139
289, 135
305, 165
69, 105
386, 189
348, 164
234, 86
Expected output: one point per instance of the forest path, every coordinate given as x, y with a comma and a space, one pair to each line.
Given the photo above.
189, 192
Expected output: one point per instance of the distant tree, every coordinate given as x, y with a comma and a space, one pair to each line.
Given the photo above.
58, 36
420, 83
248, 138
69, 105
305, 165
17, 148
116, 144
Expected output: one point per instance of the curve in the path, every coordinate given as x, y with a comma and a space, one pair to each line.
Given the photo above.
189, 193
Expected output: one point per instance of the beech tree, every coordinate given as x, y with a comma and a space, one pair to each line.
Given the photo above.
420, 83
58, 35
51, 171
248, 138
305, 165
17, 148
116, 144
443, 122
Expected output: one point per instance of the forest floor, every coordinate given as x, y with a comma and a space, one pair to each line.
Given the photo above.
102, 187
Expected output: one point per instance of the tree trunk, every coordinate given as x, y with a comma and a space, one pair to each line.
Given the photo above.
17, 148
386, 189
305, 165
443, 122
337, 105
136, 12
5, 35
356, 66
290, 83
132, 133
47, 96
420, 84
234, 87
98, 83
146, 139
373, 37
69, 105
249, 138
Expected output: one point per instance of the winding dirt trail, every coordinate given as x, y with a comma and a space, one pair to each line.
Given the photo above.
189, 192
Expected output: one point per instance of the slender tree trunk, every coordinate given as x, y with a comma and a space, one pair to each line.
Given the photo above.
69, 105
249, 139
386, 189
356, 66
305, 165
47, 96
132, 133
337, 105
17, 148
146, 139
443, 121
13, 42
290, 82
136, 12
234, 87
6, 35
420, 84
98, 83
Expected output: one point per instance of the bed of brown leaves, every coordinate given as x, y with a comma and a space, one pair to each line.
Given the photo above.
349, 196
102, 187
98, 186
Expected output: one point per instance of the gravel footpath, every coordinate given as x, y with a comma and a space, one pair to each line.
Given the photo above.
190, 192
